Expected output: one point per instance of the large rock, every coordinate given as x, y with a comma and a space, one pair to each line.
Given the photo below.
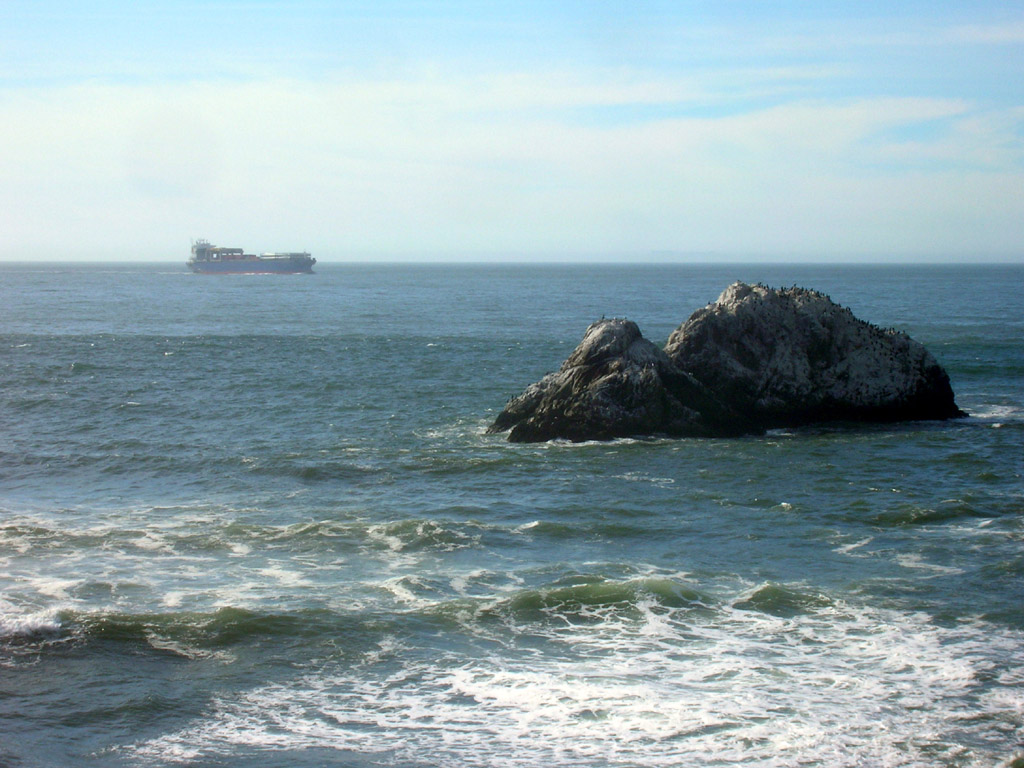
791, 357
757, 358
615, 384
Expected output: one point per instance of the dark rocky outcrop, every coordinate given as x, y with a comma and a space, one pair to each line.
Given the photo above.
791, 357
616, 383
757, 358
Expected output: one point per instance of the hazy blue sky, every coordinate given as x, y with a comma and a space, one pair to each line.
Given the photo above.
521, 129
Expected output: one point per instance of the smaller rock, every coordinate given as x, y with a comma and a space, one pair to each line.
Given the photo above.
615, 384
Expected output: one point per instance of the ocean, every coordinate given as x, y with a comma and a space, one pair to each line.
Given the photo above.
257, 521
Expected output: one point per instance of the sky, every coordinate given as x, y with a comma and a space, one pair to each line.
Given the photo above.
520, 130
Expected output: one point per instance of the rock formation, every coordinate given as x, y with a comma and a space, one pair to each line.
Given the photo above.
615, 384
755, 359
791, 357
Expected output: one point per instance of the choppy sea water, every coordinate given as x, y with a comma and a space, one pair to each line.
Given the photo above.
255, 521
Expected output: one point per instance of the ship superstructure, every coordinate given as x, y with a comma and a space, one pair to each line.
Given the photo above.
215, 259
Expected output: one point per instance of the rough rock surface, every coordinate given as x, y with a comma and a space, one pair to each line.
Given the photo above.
615, 384
757, 358
790, 357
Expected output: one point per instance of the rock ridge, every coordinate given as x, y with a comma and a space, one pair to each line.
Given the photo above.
755, 359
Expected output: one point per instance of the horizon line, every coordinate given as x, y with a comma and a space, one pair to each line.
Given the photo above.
876, 261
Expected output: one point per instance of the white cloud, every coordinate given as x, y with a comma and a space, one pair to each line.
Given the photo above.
1006, 33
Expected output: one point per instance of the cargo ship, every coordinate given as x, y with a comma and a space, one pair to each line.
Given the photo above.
213, 259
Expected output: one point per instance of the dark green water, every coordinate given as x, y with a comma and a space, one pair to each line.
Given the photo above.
255, 520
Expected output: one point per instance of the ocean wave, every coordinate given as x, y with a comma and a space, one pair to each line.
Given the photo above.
943, 512
487, 596
416, 535
595, 598
131, 457
587, 525
314, 469
838, 685
217, 629
28, 625
783, 601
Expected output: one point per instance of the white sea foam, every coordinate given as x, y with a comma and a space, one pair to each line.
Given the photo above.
382, 534
915, 561
998, 414
173, 599
838, 687
460, 581
643, 477
15, 622
180, 649
153, 541
849, 548
284, 576
54, 587
404, 589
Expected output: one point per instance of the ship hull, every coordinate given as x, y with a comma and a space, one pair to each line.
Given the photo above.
255, 267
